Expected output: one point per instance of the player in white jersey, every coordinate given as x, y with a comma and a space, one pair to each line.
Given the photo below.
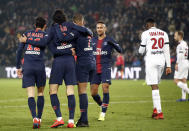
155, 45
182, 65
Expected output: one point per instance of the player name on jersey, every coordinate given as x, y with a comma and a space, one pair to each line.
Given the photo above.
156, 33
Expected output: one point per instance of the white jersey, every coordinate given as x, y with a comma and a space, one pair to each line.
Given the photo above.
154, 40
182, 52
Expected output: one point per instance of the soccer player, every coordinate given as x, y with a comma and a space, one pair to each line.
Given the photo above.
155, 43
182, 65
33, 70
85, 66
103, 47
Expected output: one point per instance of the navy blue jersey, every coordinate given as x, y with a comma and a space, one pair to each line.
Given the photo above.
81, 38
103, 51
32, 54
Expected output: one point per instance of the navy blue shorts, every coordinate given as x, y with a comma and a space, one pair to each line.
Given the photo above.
34, 76
85, 72
104, 77
63, 68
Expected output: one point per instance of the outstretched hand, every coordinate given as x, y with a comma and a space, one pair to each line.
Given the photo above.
23, 39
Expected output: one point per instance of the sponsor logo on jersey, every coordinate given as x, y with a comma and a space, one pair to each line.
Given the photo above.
99, 52
64, 47
32, 52
88, 49
156, 52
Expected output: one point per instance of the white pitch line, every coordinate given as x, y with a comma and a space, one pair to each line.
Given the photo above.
113, 102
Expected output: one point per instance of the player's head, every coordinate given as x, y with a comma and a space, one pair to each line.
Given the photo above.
59, 17
150, 22
100, 28
40, 23
179, 35
78, 19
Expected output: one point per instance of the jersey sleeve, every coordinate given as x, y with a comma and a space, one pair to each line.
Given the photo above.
65, 36
142, 47
84, 30
166, 40
115, 45
19, 55
180, 53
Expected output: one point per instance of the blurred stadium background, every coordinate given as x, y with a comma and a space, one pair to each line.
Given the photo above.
124, 18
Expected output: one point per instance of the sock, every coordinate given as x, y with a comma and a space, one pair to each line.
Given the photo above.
71, 106
105, 102
183, 86
56, 105
32, 106
156, 100
97, 99
40, 105
183, 94
83, 100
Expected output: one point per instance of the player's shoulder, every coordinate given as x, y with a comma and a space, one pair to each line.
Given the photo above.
164, 32
109, 38
184, 43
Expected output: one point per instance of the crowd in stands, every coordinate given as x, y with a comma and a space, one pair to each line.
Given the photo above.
124, 20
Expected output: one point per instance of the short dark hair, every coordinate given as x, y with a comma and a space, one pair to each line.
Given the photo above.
78, 17
40, 22
181, 33
100, 22
150, 20
59, 17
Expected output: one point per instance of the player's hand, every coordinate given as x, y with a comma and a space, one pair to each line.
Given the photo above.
176, 67
73, 51
19, 73
168, 70
23, 39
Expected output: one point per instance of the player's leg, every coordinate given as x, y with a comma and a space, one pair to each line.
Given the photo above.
40, 103
83, 103
180, 84
40, 78
70, 81
95, 82
71, 105
29, 83
54, 82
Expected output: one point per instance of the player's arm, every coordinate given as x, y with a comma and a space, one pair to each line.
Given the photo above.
180, 55
18, 59
142, 47
166, 52
65, 36
115, 45
83, 30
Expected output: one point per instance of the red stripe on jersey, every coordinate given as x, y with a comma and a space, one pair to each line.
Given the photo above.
98, 56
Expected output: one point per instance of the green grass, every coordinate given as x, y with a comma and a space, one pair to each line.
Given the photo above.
130, 108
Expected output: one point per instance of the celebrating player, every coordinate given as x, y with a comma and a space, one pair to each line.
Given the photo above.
103, 47
85, 71
182, 65
156, 44
33, 70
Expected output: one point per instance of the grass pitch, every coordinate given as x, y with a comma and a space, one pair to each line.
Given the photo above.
130, 108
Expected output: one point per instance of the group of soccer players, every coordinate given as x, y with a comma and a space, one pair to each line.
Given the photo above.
80, 58
66, 40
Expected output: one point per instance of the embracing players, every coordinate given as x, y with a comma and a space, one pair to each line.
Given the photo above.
155, 45
182, 64
33, 70
103, 46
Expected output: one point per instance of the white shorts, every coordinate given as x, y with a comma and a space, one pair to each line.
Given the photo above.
182, 70
154, 73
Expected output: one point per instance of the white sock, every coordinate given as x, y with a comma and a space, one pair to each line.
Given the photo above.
70, 121
156, 100
183, 86
59, 118
103, 114
183, 94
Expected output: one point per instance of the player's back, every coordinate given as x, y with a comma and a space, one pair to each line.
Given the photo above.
34, 54
155, 39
